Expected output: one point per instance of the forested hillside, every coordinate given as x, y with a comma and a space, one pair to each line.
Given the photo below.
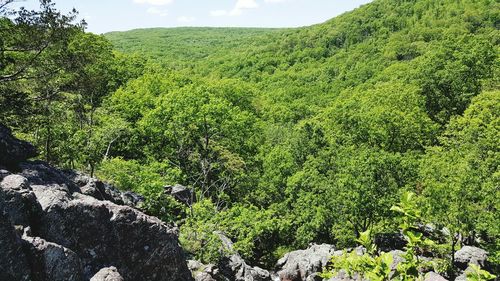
288, 136
185, 44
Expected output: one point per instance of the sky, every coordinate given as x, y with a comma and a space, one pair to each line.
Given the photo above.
118, 15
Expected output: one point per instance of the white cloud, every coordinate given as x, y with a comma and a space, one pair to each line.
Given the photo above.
186, 19
156, 11
238, 9
154, 2
275, 1
218, 13
246, 4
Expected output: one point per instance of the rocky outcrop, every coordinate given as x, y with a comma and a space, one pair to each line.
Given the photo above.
397, 258
13, 262
304, 264
20, 201
103, 191
230, 268
433, 276
203, 272
107, 274
50, 261
138, 245
469, 254
100, 233
235, 268
180, 193
12, 150
57, 226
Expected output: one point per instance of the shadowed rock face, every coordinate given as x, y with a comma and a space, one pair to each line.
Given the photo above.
50, 261
69, 235
180, 193
20, 201
13, 262
12, 150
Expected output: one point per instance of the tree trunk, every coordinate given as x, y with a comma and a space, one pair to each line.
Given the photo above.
47, 143
454, 241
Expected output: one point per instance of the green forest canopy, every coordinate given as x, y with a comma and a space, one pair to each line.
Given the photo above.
288, 136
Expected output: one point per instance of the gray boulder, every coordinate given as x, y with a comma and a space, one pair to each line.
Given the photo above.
469, 254
20, 202
103, 191
102, 233
208, 272
50, 261
49, 195
433, 276
180, 193
107, 274
235, 268
15, 182
303, 264
41, 173
462, 277
12, 150
230, 268
98, 232
13, 263
397, 258
3, 173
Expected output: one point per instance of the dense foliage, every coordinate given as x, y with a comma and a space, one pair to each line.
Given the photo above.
185, 45
287, 136
371, 264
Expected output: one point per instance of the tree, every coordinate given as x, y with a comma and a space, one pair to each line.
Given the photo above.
203, 133
92, 79
31, 39
34, 67
452, 73
460, 178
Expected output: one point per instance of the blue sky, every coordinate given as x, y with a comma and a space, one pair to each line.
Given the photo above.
115, 15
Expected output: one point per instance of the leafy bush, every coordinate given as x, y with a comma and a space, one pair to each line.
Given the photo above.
374, 266
148, 181
198, 234
477, 274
